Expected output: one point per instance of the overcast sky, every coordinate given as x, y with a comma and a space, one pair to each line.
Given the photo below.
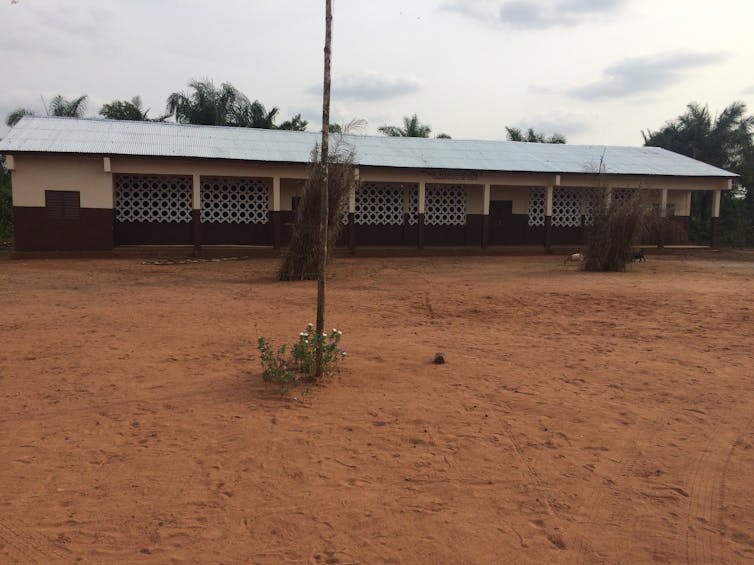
598, 71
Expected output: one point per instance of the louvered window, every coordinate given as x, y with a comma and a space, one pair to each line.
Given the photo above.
63, 204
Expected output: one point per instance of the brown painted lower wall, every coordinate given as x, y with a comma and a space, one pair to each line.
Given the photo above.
155, 233
469, 234
35, 231
524, 234
562, 235
675, 231
96, 230
520, 230
221, 233
394, 235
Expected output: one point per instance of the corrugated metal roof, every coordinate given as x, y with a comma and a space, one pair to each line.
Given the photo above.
110, 137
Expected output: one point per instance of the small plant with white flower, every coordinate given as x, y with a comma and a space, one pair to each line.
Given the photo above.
290, 368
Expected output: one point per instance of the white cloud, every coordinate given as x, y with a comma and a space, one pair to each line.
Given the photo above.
370, 86
566, 123
639, 75
532, 14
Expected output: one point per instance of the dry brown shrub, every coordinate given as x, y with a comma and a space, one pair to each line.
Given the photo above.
617, 227
301, 261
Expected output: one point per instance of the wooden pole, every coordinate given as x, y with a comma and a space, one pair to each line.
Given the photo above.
324, 212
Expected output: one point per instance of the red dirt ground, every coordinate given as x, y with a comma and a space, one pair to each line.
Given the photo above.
580, 418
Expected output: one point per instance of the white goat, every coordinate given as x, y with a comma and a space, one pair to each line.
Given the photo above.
574, 258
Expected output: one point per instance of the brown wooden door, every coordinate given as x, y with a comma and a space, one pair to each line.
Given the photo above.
501, 212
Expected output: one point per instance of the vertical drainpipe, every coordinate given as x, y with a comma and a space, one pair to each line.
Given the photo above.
196, 216
716, 194
486, 215
275, 212
420, 214
352, 211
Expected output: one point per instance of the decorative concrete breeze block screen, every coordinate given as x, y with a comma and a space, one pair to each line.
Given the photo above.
152, 198
235, 200
379, 204
566, 207
621, 195
445, 205
536, 207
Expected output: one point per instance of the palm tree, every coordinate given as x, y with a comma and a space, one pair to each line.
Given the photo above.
207, 105
128, 110
515, 134
60, 106
255, 115
724, 141
15, 116
412, 127
296, 123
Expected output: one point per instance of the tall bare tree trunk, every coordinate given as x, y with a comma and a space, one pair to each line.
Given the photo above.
324, 204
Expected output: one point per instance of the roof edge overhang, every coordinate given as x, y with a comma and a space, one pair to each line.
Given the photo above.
727, 175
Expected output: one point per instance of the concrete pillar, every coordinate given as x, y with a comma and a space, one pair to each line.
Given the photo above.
196, 213
716, 194
422, 201
485, 216
548, 218
275, 215
663, 214
352, 212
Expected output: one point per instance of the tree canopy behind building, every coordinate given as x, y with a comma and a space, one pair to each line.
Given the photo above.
725, 141
531, 136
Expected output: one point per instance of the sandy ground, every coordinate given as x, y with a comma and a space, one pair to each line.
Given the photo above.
581, 418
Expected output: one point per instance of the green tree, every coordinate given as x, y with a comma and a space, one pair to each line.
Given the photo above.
443, 136
205, 104
296, 123
61, 106
724, 141
531, 136
15, 116
255, 115
412, 127
128, 110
